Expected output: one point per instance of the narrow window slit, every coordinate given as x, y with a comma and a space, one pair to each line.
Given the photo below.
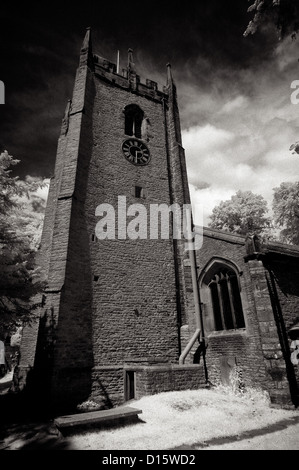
130, 385
139, 191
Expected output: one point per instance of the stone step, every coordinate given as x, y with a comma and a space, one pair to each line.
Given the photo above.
114, 415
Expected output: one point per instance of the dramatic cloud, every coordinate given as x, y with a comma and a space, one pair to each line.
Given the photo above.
243, 141
237, 118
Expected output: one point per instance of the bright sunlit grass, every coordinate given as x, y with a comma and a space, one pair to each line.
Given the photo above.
191, 417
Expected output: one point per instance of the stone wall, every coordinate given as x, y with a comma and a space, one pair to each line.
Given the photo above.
276, 377
282, 277
150, 377
259, 352
152, 380
133, 281
118, 297
227, 349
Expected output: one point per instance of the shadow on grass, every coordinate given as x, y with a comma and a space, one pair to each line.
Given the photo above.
26, 425
279, 426
33, 436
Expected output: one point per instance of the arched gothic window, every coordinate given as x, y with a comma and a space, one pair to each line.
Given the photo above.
133, 120
222, 292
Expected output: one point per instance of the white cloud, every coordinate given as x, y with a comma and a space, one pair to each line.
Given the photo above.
208, 198
243, 133
226, 164
204, 140
231, 105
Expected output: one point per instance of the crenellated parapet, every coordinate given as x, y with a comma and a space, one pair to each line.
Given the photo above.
126, 78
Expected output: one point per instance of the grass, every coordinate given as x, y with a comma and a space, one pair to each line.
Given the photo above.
187, 418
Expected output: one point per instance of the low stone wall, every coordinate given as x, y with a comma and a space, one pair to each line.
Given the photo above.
110, 383
152, 378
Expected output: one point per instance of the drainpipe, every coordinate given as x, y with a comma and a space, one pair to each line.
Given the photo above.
189, 346
192, 256
197, 302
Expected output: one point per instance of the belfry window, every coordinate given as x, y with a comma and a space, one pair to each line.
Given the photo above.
133, 120
222, 283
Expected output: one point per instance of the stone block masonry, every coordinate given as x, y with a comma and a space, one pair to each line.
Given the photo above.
152, 377
118, 312
134, 297
260, 351
114, 298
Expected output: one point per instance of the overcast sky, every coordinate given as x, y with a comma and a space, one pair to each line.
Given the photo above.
237, 118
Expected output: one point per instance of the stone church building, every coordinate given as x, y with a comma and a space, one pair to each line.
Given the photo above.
124, 317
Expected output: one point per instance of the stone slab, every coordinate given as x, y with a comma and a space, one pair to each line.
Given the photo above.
96, 417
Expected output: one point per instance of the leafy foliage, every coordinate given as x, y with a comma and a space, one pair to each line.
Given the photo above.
244, 213
294, 148
21, 215
284, 14
286, 211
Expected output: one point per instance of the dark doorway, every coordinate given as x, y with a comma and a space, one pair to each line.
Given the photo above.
130, 385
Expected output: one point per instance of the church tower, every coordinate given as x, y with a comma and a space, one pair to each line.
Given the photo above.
114, 305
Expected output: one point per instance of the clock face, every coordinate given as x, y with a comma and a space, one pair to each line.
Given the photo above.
136, 152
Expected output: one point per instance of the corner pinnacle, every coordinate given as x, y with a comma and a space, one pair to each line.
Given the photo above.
86, 57
131, 65
169, 73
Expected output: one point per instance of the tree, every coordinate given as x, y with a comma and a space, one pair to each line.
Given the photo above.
284, 14
20, 226
286, 211
244, 213
294, 148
